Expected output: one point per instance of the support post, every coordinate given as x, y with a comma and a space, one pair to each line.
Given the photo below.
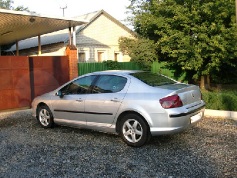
74, 36
71, 52
17, 48
39, 45
70, 36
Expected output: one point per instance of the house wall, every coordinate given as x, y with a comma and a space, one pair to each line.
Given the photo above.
96, 43
102, 35
56, 49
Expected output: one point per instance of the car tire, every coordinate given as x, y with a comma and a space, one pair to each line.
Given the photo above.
45, 117
134, 130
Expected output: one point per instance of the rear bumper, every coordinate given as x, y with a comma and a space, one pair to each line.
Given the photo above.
179, 122
188, 113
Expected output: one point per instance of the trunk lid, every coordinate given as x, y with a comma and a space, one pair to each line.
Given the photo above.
187, 93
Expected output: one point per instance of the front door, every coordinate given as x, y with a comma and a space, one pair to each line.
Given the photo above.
70, 108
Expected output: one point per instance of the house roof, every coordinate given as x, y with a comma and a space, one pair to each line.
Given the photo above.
62, 36
19, 25
45, 40
94, 15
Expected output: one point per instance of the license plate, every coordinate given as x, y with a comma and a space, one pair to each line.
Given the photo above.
196, 117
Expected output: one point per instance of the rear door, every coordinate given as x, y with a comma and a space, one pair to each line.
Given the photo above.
105, 99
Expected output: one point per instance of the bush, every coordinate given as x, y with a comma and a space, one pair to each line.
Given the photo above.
221, 100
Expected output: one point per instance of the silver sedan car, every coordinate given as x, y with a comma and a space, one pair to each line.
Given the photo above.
133, 104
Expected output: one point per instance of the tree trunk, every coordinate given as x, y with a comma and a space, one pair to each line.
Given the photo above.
202, 82
205, 82
208, 86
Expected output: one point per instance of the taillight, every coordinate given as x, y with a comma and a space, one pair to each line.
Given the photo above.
173, 101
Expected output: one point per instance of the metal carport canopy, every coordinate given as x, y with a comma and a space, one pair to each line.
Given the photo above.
19, 25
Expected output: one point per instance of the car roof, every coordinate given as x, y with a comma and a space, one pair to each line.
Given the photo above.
115, 72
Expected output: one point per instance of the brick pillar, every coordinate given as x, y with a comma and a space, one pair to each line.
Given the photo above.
71, 52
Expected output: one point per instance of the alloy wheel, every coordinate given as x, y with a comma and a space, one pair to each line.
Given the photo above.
132, 130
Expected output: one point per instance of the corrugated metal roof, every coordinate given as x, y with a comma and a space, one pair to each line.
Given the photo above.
54, 37
62, 35
18, 25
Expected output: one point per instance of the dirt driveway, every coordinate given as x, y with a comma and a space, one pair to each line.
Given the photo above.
26, 150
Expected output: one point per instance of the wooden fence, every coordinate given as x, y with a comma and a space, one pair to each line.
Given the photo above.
84, 68
157, 67
22, 78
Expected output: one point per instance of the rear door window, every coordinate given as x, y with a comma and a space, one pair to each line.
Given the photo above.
153, 79
109, 84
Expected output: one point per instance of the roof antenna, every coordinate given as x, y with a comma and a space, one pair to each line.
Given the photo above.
63, 6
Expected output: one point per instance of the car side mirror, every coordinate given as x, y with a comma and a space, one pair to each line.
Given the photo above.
60, 94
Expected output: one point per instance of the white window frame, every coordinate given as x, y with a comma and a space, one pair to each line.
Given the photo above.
86, 51
105, 54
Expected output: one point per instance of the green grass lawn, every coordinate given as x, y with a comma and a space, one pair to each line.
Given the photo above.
221, 99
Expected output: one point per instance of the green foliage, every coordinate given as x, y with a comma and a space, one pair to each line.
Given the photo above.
22, 8
221, 100
142, 51
227, 75
112, 65
84, 68
8, 4
162, 68
195, 37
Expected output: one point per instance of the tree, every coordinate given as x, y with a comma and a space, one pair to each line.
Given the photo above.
142, 51
5, 4
195, 37
8, 4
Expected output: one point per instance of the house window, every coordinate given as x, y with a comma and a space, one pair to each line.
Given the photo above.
82, 57
116, 56
100, 56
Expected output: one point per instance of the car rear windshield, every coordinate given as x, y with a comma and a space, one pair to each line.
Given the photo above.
153, 79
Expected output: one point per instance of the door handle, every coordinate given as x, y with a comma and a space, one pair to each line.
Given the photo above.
115, 100
79, 100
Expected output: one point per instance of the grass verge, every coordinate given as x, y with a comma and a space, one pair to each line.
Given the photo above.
220, 99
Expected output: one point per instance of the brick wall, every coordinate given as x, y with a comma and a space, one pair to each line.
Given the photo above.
71, 52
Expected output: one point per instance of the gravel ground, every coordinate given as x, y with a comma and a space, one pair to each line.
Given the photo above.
26, 150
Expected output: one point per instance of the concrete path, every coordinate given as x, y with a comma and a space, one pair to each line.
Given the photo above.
221, 114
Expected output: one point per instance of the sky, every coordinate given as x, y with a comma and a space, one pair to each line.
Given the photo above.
116, 8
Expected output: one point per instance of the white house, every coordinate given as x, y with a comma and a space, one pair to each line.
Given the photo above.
96, 41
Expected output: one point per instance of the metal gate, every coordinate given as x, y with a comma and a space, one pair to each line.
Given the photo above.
23, 78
